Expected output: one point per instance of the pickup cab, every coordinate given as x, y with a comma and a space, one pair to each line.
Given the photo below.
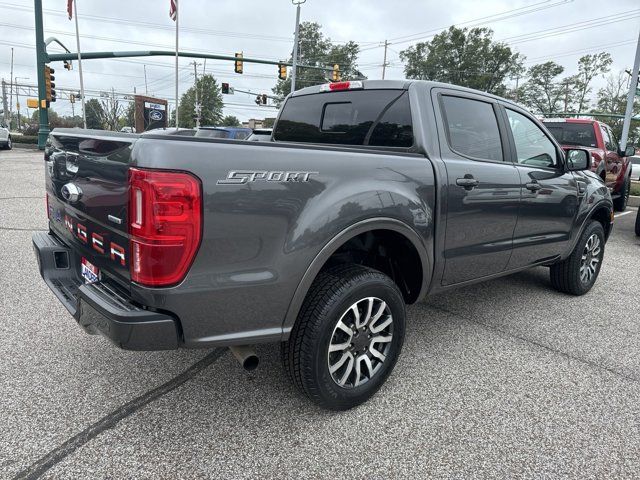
370, 196
609, 162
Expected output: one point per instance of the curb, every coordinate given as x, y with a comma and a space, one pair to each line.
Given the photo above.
26, 146
634, 201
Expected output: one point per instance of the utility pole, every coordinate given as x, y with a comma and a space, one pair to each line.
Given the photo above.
146, 90
297, 3
11, 91
5, 107
18, 104
195, 88
384, 61
630, 97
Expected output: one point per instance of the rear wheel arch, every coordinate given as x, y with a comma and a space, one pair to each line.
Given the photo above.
380, 227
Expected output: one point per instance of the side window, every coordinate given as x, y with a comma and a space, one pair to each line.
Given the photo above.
533, 147
605, 137
614, 141
472, 128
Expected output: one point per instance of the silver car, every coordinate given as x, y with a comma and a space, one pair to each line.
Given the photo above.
635, 167
5, 138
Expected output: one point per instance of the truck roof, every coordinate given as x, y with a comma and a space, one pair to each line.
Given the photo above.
401, 85
569, 120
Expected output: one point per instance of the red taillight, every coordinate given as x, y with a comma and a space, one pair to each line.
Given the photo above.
165, 224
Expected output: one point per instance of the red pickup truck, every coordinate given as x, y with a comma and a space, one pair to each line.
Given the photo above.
609, 162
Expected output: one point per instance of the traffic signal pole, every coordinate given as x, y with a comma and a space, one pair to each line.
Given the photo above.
41, 60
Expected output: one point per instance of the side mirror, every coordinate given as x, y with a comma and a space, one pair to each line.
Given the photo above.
630, 151
578, 159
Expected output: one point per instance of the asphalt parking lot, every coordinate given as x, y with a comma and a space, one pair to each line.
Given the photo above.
504, 379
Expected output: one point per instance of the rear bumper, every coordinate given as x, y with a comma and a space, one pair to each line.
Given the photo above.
97, 307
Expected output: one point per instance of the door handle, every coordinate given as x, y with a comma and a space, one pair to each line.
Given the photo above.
533, 186
468, 182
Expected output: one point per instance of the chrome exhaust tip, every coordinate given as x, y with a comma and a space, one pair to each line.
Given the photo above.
247, 356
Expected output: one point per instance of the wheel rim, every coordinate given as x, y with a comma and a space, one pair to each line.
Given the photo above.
360, 342
9, 142
590, 259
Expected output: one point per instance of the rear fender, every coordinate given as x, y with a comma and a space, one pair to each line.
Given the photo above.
339, 240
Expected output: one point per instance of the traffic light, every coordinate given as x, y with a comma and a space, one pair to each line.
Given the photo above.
68, 65
282, 71
335, 75
225, 88
261, 99
264, 98
72, 98
238, 67
50, 86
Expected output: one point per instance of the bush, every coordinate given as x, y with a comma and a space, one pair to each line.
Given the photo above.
24, 139
635, 188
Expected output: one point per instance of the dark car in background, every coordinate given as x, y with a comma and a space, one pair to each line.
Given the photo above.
260, 135
230, 133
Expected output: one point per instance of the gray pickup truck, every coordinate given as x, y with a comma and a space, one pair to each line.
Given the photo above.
370, 196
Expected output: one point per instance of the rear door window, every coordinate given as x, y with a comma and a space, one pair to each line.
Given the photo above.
472, 128
355, 117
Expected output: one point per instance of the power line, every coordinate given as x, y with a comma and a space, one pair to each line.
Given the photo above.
516, 12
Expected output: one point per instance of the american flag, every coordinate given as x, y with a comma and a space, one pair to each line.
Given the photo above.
70, 9
173, 9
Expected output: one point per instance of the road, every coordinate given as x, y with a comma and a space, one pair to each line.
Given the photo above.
500, 380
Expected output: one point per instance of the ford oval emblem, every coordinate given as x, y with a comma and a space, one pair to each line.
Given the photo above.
155, 115
71, 192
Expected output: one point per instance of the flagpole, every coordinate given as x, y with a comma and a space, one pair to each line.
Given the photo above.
177, 20
75, 14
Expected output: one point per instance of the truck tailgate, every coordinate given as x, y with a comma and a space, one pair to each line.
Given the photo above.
87, 196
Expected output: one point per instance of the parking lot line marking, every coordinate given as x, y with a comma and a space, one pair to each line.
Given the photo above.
623, 213
55, 456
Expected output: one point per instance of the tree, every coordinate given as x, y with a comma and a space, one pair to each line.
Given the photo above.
543, 92
461, 56
210, 99
94, 113
129, 119
112, 111
230, 121
316, 49
589, 67
612, 99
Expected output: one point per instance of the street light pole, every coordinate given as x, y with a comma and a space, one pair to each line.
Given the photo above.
295, 44
630, 97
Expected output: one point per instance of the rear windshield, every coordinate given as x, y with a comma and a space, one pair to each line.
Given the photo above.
572, 133
363, 117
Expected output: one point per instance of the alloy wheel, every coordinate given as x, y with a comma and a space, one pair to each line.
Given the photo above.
590, 259
360, 342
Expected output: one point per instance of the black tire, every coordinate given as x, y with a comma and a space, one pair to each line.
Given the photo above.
638, 223
566, 276
306, 357
9, 144
620, 203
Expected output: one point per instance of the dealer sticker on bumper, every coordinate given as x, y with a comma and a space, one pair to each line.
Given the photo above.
90, 272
